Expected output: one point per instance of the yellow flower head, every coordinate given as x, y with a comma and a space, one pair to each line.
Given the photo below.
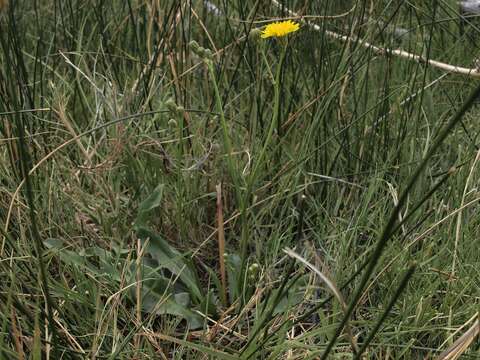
278, 29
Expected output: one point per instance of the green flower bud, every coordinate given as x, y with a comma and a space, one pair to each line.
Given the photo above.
171, 105
254, 34
253, 271
200, 52
193, 45
207, 54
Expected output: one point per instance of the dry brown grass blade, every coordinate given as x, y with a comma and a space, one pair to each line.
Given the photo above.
61, 113
462, 343
3, 4
17, 336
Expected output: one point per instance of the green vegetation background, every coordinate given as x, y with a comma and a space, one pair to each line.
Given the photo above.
110, 246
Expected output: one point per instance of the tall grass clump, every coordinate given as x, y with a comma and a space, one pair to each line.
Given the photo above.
239, 180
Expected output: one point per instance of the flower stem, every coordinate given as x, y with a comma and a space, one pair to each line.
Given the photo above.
273, 124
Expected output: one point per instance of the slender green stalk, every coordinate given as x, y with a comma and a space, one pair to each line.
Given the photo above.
263, 152
273, 123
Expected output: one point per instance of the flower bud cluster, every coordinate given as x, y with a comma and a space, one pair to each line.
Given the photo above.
175, 109
252, 272
205, 54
